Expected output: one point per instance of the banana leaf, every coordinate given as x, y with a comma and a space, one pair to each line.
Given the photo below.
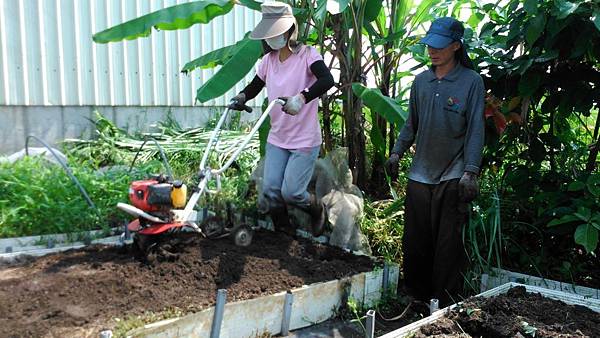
215, 58
381, 104
175, 17
239, 63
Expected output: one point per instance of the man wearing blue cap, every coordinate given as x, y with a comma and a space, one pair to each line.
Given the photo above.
446, 120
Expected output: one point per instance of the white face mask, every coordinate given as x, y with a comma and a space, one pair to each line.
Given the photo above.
277, 42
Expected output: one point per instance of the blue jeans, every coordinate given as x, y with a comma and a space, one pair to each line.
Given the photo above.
287, 174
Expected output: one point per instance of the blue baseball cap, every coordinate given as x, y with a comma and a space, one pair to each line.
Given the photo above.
443, 31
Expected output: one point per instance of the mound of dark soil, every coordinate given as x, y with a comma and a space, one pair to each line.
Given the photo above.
516, 314
77, 293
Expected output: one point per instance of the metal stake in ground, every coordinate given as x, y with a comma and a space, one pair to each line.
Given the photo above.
370, 327
215, 330
287, 313
386, 277
434, 305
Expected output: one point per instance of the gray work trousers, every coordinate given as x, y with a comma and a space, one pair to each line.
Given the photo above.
287, 174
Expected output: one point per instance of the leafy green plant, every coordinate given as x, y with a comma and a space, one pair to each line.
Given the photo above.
357, 312
583, 212
539, 61
175, 17
39, 198
482, 238
125, 325
383, 225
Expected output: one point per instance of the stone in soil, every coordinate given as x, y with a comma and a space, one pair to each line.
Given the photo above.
81, 292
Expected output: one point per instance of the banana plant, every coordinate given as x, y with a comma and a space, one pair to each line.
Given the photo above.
391, 34
235, 60
340, 27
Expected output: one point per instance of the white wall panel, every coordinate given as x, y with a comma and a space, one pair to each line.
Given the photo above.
33, 55
14, 52
132, 64
117, 57
145, 61
69, 61
101, 54
85, 47
47, 56
4, 93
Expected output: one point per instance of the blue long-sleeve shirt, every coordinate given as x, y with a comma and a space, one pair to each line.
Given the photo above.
446, 120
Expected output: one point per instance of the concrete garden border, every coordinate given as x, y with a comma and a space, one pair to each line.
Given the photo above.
29, 243
310, 305
591, 303
498, 277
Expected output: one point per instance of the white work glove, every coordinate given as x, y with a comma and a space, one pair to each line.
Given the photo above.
293, 104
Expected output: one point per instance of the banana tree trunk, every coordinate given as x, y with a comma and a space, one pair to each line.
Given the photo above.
378, 173
595, 147
358, 151
327, 137
350, 71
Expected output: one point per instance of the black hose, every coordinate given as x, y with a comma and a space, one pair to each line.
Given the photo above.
162, 155
65, 167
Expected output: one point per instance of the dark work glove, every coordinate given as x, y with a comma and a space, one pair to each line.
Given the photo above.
468, 187
238, 102
391, 165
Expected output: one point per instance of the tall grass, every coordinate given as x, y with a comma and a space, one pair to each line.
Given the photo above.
383, 224
482, 238
38, 198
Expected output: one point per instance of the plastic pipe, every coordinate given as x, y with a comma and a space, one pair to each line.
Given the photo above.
65, 167
215, 330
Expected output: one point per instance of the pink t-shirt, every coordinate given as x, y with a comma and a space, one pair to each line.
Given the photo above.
289, 78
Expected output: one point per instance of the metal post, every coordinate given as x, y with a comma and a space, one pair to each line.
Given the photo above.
127, 232
370, 327
215, 330
204, 214
484, 283
287, 313
434, 305
386, 277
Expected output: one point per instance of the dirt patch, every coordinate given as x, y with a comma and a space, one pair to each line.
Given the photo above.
515, 314
80, 292
392, 313
398, 313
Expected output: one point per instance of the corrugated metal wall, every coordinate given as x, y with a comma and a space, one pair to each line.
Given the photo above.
47, 55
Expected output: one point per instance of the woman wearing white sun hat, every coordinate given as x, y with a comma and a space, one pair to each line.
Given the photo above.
297, 74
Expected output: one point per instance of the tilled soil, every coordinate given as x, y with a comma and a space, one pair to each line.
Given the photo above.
515, 314
399, 313
80, 292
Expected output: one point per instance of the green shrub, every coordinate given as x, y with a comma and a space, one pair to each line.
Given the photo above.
39, 198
